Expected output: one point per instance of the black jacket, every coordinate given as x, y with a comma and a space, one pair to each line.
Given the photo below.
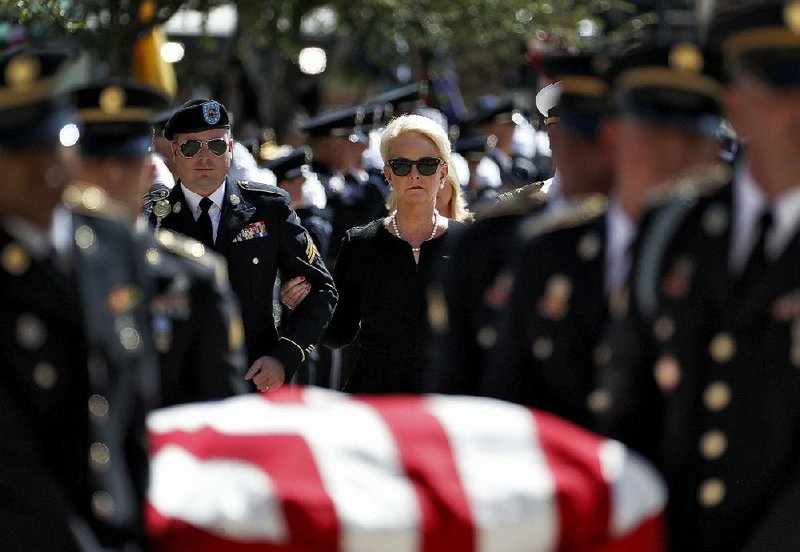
258, 235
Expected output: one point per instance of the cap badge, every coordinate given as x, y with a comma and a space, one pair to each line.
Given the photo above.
112, 99
791, 15
211, 112
22, 71
686, 57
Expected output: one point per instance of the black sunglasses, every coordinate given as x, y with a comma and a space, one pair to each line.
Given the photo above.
426, 166
190, 148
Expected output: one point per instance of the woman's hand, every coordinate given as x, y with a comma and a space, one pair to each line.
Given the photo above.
294, 291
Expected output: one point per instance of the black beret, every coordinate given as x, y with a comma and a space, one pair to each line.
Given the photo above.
116, 117
196, 116
676, 83
31, 112
762, 39
291, 165
472, 148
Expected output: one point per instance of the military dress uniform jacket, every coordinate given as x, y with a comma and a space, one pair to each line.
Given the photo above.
195, 317
258, 235
78, 375
705, 379
547, 338
465, 299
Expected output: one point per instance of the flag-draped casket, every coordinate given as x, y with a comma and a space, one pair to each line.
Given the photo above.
307, 469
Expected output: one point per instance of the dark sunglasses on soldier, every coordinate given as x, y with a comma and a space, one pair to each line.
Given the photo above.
426, 166
190, 148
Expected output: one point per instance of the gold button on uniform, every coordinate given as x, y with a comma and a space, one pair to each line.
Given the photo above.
487, 336
102, 504
99, 455
255, 260
717, 396
599, 401
45, 375
711, 492
713, 444
98, 406
722, 347
542, 348
84, 237
130, 338
667, 373
14, 259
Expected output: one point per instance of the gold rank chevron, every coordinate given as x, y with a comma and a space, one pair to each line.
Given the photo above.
311, 249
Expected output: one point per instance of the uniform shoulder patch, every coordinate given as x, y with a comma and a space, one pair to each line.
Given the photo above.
251, 186
191, 249
576, 213
695, 183
520, 201
86, 199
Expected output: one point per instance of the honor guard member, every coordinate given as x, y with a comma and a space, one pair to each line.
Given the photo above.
78, 368
502, 168
253, 227
195, 318
713, 316
477, 286
338, 142
574, 262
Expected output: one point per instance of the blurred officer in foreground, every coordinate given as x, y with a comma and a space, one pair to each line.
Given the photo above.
78, 371
477, 285
253, 227
573, 264
704, 374
194, 315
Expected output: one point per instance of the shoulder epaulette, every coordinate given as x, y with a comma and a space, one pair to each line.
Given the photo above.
695, 183
261, 187
574, 213
86, 199
193, 250
520, 201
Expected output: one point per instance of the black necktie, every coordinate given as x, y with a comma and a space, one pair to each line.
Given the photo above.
204, 223
757, 261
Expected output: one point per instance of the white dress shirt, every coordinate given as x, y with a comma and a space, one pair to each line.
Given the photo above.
620, 233
217, 197
749, 202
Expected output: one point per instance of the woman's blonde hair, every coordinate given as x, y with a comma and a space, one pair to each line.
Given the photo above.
458, 211
420, 125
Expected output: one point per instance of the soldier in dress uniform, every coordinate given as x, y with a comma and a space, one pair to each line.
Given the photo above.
79, 370
704, 371
474, 291
502, 168
253, 227
574, 261
194, 315
338, 142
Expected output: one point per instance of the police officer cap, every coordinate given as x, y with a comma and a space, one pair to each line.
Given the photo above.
196, 116
472, 148
399, 101
582, 100
292, 165
347, 123
31, 112
547, 101
116, 117
492, 109
761, 39
674, 83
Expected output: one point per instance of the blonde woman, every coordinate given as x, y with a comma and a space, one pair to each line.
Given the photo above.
450, 201
383, 267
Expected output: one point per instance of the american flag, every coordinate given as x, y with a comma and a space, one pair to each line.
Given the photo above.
306, 469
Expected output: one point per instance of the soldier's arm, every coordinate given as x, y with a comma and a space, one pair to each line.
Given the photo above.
298, 256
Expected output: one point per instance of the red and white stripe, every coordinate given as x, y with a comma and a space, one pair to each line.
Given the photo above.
307, 469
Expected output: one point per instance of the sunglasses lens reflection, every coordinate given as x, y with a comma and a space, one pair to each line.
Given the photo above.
217, 146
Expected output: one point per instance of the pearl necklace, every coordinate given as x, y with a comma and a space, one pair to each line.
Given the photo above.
397, 232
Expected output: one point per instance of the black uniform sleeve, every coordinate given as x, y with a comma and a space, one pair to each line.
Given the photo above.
346, 320
299, 257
